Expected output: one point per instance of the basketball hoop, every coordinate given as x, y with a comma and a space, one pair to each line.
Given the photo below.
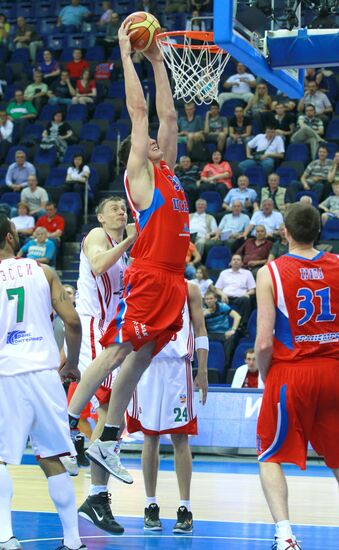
196, 64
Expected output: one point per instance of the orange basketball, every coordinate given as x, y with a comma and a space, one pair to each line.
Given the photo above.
145, 27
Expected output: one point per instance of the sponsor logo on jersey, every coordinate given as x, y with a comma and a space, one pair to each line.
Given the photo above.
183, 398
16, 337
140, 330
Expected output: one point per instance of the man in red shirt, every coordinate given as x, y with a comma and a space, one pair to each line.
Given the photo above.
76, 67
247, 376
53, 222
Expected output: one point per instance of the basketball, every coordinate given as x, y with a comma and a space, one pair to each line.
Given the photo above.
145, 27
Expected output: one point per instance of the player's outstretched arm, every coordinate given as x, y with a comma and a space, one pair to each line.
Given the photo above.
265, 321
100, 254
168, 128
63, 306
199, 327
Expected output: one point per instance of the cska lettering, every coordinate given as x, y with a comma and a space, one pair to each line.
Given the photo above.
179, 205
311, 274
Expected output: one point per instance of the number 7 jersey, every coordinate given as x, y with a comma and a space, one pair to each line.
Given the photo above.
306, 294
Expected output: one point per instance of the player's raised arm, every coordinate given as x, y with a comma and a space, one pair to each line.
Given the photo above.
140, 175
265, 322
100, 254
201, 340
168, 128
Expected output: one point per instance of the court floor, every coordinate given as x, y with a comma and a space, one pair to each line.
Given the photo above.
227, 504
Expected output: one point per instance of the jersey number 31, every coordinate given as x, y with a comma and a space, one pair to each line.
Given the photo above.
315, 303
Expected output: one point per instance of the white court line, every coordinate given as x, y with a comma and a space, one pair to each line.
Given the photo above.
151, 536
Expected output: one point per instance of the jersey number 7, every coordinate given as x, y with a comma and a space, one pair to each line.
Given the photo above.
20, 294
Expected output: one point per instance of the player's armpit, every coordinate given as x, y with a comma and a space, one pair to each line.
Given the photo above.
265, 321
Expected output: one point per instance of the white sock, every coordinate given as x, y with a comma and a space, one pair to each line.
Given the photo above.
186, 503
61, 491
283, 529
96, 489
151, 500
6, 492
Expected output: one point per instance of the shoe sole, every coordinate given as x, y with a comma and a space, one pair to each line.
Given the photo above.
103, 465
182, 531
88, 518
152, 528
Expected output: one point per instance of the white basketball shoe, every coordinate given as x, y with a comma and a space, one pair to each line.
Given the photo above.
11, 544
106, 454
71, 464
287, 544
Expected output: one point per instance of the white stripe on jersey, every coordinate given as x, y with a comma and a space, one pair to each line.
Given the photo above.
183, 343
281, 304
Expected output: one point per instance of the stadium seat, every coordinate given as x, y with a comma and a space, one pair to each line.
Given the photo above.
117, 89
11, 199
216, 358
104, 111
311, 194
90, 132
299, 167
77, 112
71, 151
330, 231
214, 201
67, 52
218, 258
56, 42
93, 183
20, 55
102, 154
287, 174
332, 131
252, 325
228, 107
239, 354
56, 177
297, 152
95, 53
256, 175
33, 131
48, 156
70, 202
235, 152
48, 111
120, 127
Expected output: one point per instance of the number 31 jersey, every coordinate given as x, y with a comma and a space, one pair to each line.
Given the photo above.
307, 307
27, 340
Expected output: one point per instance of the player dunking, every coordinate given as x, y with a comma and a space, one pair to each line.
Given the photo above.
150, 312
297, 297
32, 399
163, 403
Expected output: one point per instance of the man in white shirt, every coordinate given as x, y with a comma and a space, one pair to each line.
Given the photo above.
202, 224
239, 84
35, 197
6, 130
313, 96
269, 218
230, 228
235, 286
263, 149
242, 193
247, 376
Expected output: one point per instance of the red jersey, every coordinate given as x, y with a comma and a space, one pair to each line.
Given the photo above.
51, 224
76, 68
163, 228
307, 307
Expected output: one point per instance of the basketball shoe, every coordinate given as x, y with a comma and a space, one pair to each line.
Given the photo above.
289, 544
97, 510
63, 547
106, 454
70, 464
184, 523
11, 544
151, 518
79, 444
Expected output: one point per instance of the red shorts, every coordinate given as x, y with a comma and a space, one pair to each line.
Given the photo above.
300, 405
150, 310
86, 413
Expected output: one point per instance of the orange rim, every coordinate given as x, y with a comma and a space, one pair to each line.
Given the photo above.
194, 35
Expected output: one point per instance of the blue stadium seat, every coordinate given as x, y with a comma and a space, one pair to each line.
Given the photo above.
34, 131
213, 199
218, 258
102, 154
3, 172
67, 53
117, 89
77, 112
48, 156
56, 42
104, 111
21, 55
90, 132
48, 111
10, 90
216, 358
228, 107
239, 354
330, 231
252, 325
297, 152
95, 53
77, 41
93, 183
70, 202
71, 151
11, 199
235, 152
123, 128
337, 108
286, 174
311, 194
256, 175
332, 131
56, 177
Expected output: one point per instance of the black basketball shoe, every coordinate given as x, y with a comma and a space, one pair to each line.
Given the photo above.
184, 523
97, 510
151, 518
79, 444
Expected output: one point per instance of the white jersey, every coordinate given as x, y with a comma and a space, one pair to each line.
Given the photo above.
182, 344
98, 296
27, 340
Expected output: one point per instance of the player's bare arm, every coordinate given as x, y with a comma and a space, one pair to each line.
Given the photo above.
100, 254
199, 327
265, 321
63, 306
139, 167
168, 128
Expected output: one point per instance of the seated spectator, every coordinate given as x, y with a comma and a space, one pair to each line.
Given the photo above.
215, 129
190, 127
189, 176
26, 37
105, 18
309, 130
313, 96
333, 174
235, 286
275, 192
111, 33
53, 222
49, 68
289, 104
35, 197
202, 224
259, 106
255, 252
39, 248
71, 17
247, 376
193, 258
4, 30
194, 23
239, 127
86, 91
330, 206
280, 246
77, 175
269, 218
243, 193
6, 131
231, 228
37, 92
264, 149
313, 75
20, 110
176, 6
18, 173
76, 67
315, 177
240, 86
283, 121
24, 223
216, 175
61, 91
57, 134
202, 280
222, 324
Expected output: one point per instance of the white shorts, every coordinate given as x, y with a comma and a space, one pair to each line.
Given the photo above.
35, 405
163, 401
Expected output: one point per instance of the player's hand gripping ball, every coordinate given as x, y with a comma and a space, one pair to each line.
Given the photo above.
143, 29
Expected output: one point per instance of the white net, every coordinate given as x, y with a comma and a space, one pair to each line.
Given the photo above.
196, 71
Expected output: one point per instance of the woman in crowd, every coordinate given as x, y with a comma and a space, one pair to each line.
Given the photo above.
77, 175
57, 134
86, 91
49, 67
216, 175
